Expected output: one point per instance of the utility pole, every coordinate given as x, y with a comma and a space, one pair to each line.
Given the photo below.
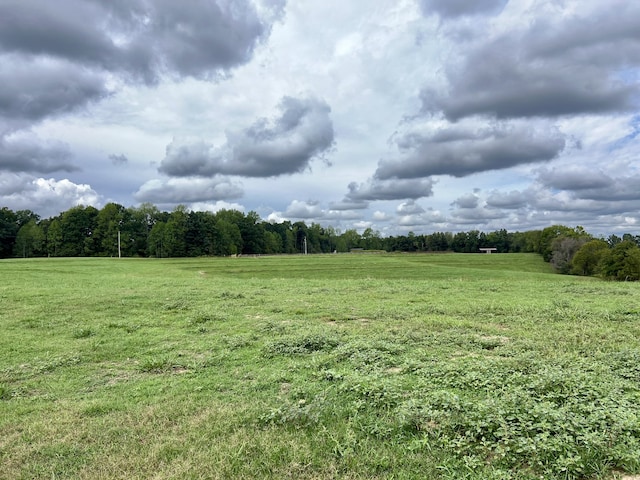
119, 252
304, 242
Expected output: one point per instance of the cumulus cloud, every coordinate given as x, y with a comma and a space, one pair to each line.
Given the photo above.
559, 65
267, 148
304, 210
413, 215
379, 216
475, 216
46, 196
216, 206
312, 211
138, 38
470, 200
23, 152
34, 88
188, 190
513, 199
393, 189
409, 207
574, 177
620, 189
459, 8
460, 150
347, 204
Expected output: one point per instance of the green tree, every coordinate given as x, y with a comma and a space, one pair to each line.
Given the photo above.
111, 222
272, 243
228, 238
285, 231
587, 259
500, 239
8, 231
77, 226
141, 221
30, 240
371, 240
155, 241
528, 242
622, 262
201, 233
175, 232
54, 237
438, 241
548, 236
351, 239
252, 232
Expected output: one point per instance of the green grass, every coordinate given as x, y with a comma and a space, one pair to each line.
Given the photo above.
338, 366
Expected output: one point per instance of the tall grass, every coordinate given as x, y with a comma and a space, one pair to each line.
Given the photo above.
336, 366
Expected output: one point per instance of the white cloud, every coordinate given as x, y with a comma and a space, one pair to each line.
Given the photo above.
46, 196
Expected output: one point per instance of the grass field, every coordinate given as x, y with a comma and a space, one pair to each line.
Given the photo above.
317, 367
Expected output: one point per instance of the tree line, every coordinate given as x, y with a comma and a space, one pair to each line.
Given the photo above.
145, 231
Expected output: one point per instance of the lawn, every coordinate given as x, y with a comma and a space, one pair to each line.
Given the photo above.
354, 366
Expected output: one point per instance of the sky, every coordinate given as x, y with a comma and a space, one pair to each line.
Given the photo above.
395, 115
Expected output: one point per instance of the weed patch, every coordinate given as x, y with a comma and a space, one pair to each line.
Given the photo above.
83, 333
300, 345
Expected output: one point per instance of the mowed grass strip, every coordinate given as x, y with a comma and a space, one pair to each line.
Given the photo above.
335, 366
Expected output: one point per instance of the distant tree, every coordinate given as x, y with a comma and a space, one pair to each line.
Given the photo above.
438, 241
8, 231
622, 262
500, 239
371, 239
351, 239
285, 231
548, 236
30, 240
228, 238
272, 242
111, 221
155, 241
175, 232
54, 237
528, 242
77, 226
587, 259
300, 235
459, 242
252, 232
564, 248
332, 235
200, 234
141, 221
613, 240
627, 237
